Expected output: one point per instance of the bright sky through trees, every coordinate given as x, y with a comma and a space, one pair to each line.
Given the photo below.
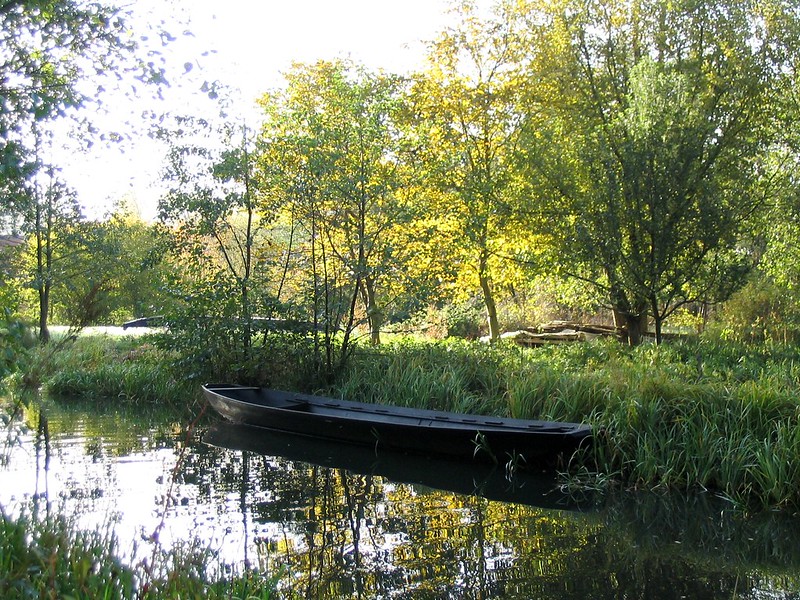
246, 45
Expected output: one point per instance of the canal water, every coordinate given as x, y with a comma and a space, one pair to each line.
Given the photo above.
341, 522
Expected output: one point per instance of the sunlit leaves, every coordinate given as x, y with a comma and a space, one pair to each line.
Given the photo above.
45, 49
466, 108
213, 204
333, 153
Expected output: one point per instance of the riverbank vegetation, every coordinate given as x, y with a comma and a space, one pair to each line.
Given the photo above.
552, 159
689, 415
693, 414
97, 366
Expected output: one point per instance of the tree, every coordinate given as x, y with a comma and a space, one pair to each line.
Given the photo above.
333, 133
115, 269
46, 48
647, 122
50, 210
55, 58
776, 236
213, 206
465, 105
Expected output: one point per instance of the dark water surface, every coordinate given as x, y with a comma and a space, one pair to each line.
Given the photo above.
340, 522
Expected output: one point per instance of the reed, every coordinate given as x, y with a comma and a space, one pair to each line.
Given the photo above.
688, 415
48, 558
452, 376
106, 367
733, 439
697, 414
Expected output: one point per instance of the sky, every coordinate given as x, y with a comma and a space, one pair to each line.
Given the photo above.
247, 45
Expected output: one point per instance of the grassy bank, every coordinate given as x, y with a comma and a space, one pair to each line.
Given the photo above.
50, 558
687, 415
683, 416
132, 369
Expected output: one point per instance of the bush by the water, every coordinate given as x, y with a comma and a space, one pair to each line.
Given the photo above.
15, 339
103, 366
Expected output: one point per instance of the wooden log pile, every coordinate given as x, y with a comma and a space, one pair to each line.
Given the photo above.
559, 332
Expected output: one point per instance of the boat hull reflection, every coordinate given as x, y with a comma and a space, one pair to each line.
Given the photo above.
493, 482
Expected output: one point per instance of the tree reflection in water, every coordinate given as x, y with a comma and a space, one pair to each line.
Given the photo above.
345, 534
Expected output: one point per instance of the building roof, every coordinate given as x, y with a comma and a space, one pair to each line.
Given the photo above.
11, 241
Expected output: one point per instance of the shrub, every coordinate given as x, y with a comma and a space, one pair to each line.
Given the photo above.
51, 558
15, 340
761, 311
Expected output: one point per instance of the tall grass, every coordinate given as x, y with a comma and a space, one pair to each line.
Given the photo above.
688, 415
695, 414
101, 366
46, 558
440, 375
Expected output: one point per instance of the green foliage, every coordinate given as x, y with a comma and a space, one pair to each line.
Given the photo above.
192, 570
207, 331
630, 146
51, 215
334, 163
545, 298
127, 369
627, 145
49, 558
686, 415
455, 319
115, 270
761, 311
208, 339
467, 123
47, 48
214, 204
652, 164
447, 375
695, 414
202, 351
99, 273
14, 340
777, 233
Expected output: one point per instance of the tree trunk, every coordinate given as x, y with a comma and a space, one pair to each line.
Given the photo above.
247, 317
632, 325
488, 298
44, 257
657, 320
374, 315
247, 312
44, 310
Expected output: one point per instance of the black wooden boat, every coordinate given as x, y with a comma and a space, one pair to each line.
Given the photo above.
399, 428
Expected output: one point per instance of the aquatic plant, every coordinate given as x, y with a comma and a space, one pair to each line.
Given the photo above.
101, 366
14, 342
693, 414
42, 558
